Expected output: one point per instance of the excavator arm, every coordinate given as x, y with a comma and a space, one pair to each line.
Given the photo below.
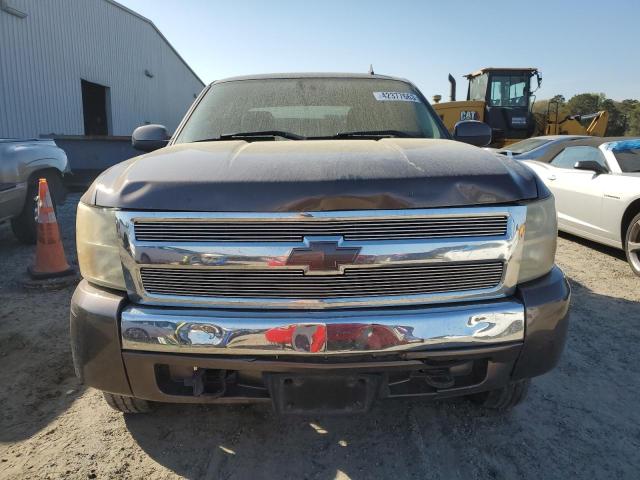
575, 124
598, 125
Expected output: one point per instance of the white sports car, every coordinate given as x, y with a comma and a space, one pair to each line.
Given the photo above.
596, 182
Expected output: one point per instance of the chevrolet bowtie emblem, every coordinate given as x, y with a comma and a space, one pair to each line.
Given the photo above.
323, 257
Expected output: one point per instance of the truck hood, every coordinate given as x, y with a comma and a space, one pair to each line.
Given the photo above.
312, 175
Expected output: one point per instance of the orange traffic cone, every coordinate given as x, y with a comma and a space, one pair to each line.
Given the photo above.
50, 259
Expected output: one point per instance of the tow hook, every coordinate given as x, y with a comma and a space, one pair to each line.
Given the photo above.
207, 381
440, 381
196, 382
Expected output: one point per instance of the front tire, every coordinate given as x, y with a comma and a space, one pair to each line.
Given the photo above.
632, 244
126, 404
505, 398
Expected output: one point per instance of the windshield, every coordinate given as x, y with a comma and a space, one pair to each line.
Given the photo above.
627, 154
526, 145
509, 90
311, 107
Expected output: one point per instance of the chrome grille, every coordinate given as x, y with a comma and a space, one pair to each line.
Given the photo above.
293, 284
251, 259
279, 230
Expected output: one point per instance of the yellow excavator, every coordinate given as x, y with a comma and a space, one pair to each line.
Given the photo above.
503, 98
575, 124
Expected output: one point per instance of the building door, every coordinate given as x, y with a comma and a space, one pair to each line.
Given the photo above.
94, 108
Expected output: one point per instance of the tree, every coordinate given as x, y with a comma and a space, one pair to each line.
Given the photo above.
629, 104
585, 103
617, 120
631, 110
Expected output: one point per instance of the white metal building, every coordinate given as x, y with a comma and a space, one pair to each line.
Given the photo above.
87, 67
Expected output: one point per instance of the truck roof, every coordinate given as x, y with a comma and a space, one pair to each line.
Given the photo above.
310, 75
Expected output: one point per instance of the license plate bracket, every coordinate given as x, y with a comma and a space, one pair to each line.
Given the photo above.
323, 394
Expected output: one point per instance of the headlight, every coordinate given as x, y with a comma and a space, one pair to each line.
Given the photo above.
540, 239
97, 243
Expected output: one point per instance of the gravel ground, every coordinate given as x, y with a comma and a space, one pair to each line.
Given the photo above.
580, 421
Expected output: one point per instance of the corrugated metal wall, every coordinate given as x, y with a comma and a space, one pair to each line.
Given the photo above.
44, 56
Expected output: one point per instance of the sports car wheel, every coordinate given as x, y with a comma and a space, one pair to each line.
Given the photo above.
632, 244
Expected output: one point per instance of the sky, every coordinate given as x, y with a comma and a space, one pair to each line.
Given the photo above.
579, 46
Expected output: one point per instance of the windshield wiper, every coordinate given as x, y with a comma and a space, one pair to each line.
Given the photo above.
372, 134
261, 135
267, 134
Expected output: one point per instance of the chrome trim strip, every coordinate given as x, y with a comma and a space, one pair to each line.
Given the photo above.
273, 255
326, 333
397, 280
328, 215
185, 230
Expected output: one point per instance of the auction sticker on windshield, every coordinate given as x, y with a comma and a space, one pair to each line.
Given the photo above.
396, 97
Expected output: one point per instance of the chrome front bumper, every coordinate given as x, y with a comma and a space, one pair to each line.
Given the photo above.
531, 327
321, 333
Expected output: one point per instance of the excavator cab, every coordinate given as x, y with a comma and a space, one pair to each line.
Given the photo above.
500, 97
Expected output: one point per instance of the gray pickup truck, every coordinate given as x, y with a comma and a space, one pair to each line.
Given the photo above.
317, 241
22, 163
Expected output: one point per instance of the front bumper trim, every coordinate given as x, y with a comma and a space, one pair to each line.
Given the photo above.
324, 334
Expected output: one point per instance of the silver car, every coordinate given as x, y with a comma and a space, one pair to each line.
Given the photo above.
596, 182
542, 148
22, 163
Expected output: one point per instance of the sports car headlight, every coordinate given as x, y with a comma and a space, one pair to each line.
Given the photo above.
540, 239
97, 243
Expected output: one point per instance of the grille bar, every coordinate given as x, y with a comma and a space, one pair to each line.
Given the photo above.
179, 230
356, 282
317, 285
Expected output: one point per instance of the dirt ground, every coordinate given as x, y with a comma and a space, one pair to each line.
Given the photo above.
580, 421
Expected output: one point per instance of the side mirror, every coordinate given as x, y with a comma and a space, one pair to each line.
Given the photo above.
472, 132
149, 138
591, 166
